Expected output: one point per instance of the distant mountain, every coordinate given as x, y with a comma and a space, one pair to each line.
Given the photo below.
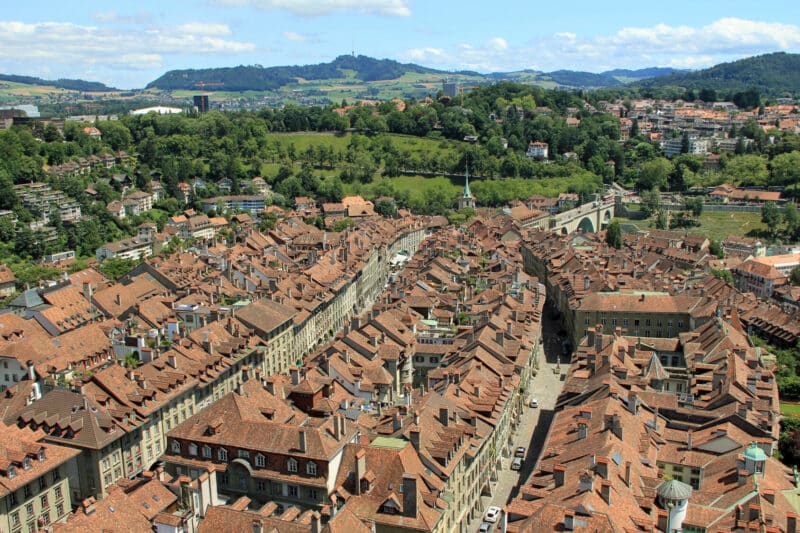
640, 74
365, 69
772, 74
258, 78
572, 78
72, 85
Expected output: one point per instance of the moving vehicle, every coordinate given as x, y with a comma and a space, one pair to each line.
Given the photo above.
486, 527
520, 452
534, 403
517, 464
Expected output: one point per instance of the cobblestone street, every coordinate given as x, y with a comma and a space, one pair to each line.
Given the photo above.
532, 431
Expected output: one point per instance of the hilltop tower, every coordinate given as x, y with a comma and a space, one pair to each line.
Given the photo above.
466, 199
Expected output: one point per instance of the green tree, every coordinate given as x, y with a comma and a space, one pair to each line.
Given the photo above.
115, 267
715, 248
662, 220
724, 275
794, 276
771, 216
748, 169
614, 235
785, 169
694, 206
651, 201
654, 174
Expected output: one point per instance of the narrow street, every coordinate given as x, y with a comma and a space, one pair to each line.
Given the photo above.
532, 431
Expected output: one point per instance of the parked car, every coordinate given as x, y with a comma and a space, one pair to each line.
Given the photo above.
517, 464
520, 452
492, 514
534, 403
486, 527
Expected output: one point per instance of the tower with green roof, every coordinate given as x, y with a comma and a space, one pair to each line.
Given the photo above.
466, 200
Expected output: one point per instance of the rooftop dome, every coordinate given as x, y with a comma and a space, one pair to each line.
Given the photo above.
674, 490
754, 453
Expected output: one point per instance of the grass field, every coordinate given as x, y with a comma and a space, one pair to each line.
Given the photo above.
716, 225
413, 144
790, 409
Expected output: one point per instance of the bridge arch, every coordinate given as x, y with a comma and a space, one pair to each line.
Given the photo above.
586, 225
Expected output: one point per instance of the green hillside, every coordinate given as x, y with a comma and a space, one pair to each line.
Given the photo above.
771, 74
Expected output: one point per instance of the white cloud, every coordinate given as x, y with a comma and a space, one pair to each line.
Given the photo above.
203, 28
112, 17
294, 37
77, 47
678, 46
314, 8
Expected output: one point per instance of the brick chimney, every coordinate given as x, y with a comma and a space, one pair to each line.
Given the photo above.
559, 473
409, 495
301, 444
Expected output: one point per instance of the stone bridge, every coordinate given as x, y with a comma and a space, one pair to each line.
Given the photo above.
590, 217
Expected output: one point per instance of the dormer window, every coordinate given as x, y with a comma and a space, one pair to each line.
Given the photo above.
311, 469
244, 454
291, 464
41, 455
176, 447
26, 463
193, 449
206, 452
261, 461
222, 455
12, 472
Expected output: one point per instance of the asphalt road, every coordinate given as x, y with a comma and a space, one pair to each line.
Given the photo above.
531, 433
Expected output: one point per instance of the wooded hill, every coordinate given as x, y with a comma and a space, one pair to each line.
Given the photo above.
68, 84
367, 69
775, 74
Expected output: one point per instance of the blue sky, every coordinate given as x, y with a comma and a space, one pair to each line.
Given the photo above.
127, 44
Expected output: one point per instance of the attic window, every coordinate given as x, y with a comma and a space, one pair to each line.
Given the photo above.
26, 463
41, 454
12, 472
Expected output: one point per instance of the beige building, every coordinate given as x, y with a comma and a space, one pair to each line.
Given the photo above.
34, 481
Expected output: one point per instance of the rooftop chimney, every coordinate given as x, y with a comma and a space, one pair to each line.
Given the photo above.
559, 473
301, 445
569, 520
689, 440
633, 403
409, 495
315, 526
258, 526
414, 436
444, 415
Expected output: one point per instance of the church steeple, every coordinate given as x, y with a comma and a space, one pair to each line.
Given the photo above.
466, 200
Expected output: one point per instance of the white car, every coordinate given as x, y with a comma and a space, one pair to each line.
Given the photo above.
534, 403
492, 514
